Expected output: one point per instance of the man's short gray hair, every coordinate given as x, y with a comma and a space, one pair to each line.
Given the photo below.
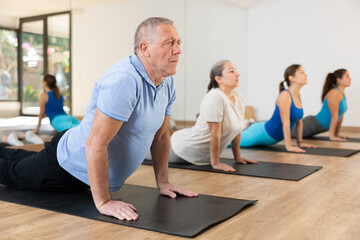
147, 29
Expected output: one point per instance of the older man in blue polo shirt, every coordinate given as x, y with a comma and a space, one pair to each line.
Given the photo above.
128, 113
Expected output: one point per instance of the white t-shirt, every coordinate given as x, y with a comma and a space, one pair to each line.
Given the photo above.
193, 144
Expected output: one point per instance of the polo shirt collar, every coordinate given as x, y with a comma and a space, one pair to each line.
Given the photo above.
139, 67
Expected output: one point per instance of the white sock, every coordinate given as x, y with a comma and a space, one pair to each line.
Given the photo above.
13, 140
31, 137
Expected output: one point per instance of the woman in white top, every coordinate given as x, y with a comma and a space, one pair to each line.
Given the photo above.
220, 122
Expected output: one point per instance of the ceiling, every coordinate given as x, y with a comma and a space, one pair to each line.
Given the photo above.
25, 8
247, 4
12, 10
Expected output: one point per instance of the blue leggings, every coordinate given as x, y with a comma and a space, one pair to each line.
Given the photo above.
63, 122
256, 135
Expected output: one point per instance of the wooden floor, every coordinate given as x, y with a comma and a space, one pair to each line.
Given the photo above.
324, 205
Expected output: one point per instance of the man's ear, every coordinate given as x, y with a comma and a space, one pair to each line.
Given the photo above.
143, 46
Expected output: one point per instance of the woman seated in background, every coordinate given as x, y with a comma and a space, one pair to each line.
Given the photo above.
288, 113
334, 106
220, 122
51, 103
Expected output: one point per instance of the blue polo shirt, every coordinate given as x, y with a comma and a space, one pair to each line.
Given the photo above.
126, 93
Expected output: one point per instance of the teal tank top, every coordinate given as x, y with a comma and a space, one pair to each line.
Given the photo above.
324, 116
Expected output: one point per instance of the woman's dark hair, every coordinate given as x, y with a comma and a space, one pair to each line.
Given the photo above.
290, 71
51, 84
216, 70
331, 81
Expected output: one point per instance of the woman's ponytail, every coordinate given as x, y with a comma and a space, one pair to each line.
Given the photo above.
290, 71
331, 81
51, 84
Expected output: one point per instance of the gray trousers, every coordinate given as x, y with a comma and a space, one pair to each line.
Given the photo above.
311, 127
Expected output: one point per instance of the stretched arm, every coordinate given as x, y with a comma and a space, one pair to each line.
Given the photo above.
160, 155
299, 135
338, 127
43, 100
102, 131
215, 131
235, 146
299, 132
333, 98
284, 104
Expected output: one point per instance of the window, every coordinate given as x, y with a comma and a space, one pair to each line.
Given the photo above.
45, 48
8, 65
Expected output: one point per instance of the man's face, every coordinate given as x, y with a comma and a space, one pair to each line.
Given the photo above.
165, 50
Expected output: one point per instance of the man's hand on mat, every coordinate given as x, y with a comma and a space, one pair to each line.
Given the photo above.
338, 139
118, 209
223, 166
294, 149
305, 145
243, 160
171, 190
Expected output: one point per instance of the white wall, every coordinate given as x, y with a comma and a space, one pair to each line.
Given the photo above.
215, 30
211, 30
321, 35
103, 35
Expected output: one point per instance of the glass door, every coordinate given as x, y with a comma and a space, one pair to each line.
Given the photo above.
58, 51
45, 48
32, 49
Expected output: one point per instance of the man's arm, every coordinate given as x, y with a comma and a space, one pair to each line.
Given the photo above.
102, 131
160, 157
160, 153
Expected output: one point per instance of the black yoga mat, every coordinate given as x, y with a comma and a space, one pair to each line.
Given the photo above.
325, 138
335, 152
283, 171
181, 216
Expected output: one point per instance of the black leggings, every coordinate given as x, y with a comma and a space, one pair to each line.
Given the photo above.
40, 171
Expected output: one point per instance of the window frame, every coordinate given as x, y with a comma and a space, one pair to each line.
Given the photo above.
17, 60
43, 17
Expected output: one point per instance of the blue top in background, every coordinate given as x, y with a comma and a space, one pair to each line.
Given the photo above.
324, 116
274, 126
54, 106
